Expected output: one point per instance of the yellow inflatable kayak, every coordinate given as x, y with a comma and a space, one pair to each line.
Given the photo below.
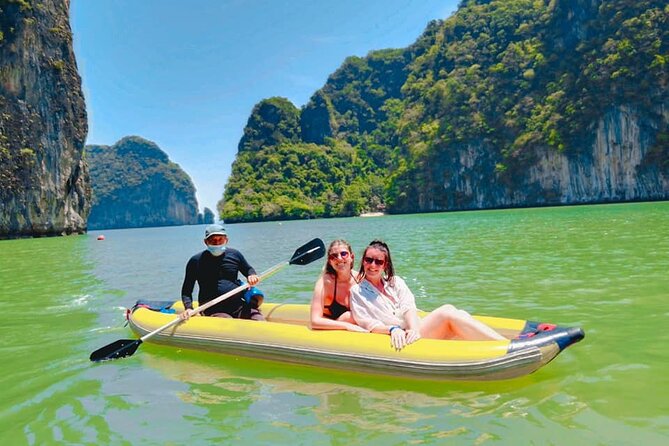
286, 337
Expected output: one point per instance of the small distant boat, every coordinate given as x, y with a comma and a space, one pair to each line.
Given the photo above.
372, 214
287, 338
101, 237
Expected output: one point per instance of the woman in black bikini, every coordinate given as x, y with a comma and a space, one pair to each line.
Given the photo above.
330, 303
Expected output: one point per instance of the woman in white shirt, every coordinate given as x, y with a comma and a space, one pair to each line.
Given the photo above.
382, 303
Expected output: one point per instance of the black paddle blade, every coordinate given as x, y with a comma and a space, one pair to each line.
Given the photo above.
119, 349
309, 252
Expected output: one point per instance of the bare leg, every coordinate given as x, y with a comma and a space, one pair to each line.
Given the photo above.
447, 322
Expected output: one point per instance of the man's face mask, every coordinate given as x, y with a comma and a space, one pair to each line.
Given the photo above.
216, 250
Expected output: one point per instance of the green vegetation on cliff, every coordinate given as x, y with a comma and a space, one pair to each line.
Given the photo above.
517, 76
136, 185
298, 181
272, 122
44, 184
508, 80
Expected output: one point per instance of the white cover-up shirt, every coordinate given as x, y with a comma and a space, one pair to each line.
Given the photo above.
371, 308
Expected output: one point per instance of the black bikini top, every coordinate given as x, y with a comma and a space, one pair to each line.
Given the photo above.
336, 309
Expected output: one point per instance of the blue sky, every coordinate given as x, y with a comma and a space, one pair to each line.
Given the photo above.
186, 74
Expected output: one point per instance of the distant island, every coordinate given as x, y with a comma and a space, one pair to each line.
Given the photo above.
136, 185
507, 103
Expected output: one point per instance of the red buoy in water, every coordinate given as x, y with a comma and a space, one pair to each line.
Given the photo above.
101, 237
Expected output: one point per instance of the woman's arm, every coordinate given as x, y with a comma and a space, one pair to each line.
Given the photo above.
399, 337
412, 320
410, 314
320, 322
413, 326
364, 314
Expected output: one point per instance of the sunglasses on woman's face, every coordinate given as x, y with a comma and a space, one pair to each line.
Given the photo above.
337, 255
378, 262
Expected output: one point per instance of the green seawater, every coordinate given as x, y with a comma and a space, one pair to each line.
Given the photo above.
604, 268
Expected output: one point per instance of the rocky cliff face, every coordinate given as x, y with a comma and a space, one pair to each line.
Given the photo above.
612, 167
613, 170
44, 184
136, 185
588, 124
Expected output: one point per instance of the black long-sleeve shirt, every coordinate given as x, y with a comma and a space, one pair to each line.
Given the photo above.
216, 276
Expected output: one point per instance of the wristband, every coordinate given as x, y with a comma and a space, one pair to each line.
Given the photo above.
392, 328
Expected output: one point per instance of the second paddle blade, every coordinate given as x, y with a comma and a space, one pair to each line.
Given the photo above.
119, 349
309, 252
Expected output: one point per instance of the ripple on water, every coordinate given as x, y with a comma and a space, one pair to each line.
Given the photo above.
67, 303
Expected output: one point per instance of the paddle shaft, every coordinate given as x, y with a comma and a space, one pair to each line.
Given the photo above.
213, 302
222, 297
123, 348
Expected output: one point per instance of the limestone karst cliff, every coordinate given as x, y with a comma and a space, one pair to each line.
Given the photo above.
44, 184
136, 185
612, 167
507, 103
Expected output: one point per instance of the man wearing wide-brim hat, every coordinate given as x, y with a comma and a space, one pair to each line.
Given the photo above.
216, 271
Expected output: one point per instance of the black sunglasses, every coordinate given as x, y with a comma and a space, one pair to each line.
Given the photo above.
336, 255
378, 262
